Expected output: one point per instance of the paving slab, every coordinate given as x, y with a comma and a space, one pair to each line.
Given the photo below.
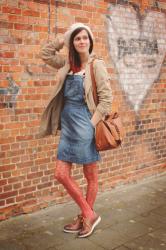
160, 210
115, 216
78, 244
146, 242
122, 248
108, 238
159, 234
152, 219
133, 218
11, 245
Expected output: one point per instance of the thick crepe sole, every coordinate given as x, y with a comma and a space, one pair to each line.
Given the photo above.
71, 231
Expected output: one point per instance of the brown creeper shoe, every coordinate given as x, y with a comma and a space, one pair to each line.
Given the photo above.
88, 226
75, 226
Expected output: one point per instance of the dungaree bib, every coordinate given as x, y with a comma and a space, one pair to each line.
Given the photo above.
77, 142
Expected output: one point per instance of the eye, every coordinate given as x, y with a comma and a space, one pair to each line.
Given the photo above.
85, 37
77, 38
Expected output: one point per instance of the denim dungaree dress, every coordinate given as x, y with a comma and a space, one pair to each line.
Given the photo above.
77, 143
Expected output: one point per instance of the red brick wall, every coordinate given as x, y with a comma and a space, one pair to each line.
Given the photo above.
27, 163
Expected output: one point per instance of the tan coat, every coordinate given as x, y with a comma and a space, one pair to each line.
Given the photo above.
50, 121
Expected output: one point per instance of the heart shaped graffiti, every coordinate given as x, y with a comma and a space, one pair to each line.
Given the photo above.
137, 48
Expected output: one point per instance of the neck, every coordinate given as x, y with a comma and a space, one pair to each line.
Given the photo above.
84, 59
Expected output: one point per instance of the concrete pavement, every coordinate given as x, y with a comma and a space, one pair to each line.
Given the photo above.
133, 218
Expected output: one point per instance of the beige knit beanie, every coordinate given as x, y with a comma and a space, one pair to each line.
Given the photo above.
72, 28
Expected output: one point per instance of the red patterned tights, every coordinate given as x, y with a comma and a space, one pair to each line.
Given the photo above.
63, 175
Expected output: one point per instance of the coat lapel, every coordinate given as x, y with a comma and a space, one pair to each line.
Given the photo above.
61, 78
87, 81
63, 72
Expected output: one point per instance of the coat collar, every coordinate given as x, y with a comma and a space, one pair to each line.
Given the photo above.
64, 71
88, 81
91, 57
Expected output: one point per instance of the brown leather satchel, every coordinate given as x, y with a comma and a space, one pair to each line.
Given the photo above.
109, 131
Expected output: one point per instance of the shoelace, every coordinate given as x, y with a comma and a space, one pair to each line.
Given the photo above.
79, 217
86, 222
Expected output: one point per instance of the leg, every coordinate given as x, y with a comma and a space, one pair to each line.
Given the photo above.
62, 174
91, 175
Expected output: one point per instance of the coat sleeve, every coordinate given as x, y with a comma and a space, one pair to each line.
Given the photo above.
104, 91
49, 54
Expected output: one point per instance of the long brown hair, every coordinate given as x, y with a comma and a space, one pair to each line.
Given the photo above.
74, 58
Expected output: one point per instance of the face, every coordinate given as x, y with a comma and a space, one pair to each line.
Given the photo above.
81, 42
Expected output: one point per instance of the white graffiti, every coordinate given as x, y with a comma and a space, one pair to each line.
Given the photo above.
137, 47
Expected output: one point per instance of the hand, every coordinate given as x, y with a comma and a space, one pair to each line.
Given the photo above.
61, 40
92, 123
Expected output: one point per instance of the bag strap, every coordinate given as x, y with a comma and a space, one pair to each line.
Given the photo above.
95, 96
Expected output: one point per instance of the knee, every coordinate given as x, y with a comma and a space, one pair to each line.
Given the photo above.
61, 174
91, 173
58, 175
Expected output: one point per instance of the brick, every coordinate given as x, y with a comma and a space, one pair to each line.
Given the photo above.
2, 203
36, 181
2, 154
25, 164
32, 97
74, 6
15, 146
6, 25
89, 8
3, 182
23, 27
82, 20
17, 186
31, 13
44, 179
6, 174
13, 179
27, 190
44, 185
30, 209
23, 111
11, 10
5, 147
41, 1
10, 201
8, 194
27, 183
40, 28
7, 54
14, 125
7, 168
7, 140
15, 152
24, 137
42, 161
34, 175
38, 110
20, 198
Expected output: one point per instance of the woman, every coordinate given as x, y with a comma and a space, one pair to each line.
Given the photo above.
73, 111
